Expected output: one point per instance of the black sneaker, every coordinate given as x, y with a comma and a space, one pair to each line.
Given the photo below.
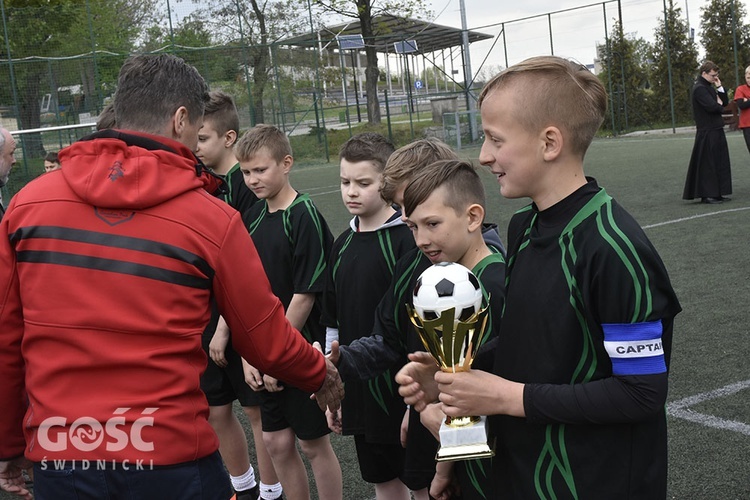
251, 494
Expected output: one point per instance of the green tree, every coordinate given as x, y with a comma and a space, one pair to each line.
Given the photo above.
105, 31
34, 28
718, 19
193, 40
625, 75
58, 43
683, 56
366, 12
252, 27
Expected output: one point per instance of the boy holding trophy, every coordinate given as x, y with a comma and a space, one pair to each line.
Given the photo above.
579, 382
444, 208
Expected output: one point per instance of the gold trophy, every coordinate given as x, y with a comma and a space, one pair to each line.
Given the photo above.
448, 317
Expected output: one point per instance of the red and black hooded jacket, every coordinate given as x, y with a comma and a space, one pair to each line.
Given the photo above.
107, 268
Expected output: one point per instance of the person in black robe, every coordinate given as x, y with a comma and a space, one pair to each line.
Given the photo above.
709, 174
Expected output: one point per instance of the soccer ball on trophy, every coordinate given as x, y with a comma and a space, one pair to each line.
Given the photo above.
444, 286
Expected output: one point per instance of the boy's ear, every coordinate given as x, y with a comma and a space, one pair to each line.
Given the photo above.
475, 214
553, 143
287, 163
230, 138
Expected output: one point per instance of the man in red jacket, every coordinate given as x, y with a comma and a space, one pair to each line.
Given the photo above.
100, 379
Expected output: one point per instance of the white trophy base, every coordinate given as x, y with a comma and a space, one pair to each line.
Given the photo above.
461, 443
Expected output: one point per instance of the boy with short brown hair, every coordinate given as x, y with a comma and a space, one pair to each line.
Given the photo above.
360, 270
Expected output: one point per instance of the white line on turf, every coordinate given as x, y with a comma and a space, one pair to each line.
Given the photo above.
326, 192
692, 217
681, 409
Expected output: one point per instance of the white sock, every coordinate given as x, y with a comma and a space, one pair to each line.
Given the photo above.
270, 491
245, 481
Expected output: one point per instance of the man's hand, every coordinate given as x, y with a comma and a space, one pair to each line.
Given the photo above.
331, 392
11, 477
417, 380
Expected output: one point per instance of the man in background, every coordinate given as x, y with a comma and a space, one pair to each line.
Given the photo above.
709, 174
7, 160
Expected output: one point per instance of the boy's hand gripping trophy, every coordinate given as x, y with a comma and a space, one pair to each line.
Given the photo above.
451, 323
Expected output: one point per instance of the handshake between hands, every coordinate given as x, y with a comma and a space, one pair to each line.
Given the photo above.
331, 393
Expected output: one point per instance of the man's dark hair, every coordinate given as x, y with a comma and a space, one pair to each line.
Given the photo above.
222, 112
106, 118
150, 89
52, 157
708, 66
367, 146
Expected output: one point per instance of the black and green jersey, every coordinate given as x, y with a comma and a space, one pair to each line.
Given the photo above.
293, 245
394, 337
587, 327
359, 272
238, 195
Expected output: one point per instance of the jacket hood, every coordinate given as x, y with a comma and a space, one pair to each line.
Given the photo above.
133, 170
393, 220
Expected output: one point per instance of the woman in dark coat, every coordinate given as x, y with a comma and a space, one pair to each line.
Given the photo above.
709, 175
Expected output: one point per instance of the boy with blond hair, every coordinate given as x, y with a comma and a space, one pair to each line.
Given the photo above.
293, 242
580, 376
223, 382
447, 222
359, 271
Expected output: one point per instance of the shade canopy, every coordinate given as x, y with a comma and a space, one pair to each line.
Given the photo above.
389, 30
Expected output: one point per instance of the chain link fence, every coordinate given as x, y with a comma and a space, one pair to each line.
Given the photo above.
52, 96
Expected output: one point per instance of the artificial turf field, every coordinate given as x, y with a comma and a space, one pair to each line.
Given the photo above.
706, 250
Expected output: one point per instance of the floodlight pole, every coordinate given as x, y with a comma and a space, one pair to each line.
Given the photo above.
470, 105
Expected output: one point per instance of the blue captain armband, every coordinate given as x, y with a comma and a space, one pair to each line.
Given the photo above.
635, 348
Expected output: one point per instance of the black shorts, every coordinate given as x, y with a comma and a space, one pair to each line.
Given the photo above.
379, 463
419, 461
223, 385
293, 408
